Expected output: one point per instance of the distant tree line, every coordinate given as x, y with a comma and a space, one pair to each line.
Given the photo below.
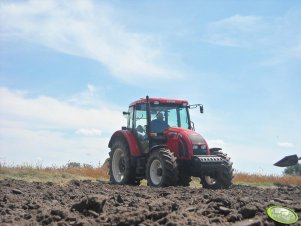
293, 170
78, 165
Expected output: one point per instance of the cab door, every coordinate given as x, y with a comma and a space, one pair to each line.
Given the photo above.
139, 126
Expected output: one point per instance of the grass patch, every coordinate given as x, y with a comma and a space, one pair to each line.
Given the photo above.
65, 174
265, 180
52, 174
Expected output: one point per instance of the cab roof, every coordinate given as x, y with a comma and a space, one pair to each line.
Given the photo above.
160, 100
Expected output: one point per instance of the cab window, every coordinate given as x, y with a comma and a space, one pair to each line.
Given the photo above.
140, 117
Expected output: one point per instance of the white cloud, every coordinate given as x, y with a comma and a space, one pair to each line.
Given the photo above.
49, 112
235, 31
279, 37
87, 29
91, 89
90, 97
54, 130
285, 144
89, 132
25, 145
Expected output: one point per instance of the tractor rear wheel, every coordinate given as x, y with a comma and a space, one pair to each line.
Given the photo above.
161, 169
222, 178
121, 171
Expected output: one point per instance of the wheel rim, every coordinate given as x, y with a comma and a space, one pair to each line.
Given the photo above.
118, 165
210, 180
156, 172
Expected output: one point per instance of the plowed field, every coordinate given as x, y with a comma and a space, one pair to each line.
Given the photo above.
99, 203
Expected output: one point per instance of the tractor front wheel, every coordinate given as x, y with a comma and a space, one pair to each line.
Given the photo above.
161, 169
222, 179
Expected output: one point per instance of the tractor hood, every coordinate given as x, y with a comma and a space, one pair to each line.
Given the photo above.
187, 143
193, 136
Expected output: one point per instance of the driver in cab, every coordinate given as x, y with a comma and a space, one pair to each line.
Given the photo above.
158, 125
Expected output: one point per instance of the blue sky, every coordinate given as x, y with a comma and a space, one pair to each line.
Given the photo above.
68, 70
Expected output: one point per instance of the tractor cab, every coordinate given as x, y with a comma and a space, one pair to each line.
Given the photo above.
150, 118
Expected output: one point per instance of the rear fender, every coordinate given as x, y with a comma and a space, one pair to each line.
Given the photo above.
129, 138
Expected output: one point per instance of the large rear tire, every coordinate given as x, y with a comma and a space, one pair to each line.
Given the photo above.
161, 169
223, 177
121, 171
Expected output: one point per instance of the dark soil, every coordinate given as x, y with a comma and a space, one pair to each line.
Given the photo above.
97, 203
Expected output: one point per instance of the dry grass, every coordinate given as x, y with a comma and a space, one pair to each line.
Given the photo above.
53, 174
95, 173
246, 178
63, 174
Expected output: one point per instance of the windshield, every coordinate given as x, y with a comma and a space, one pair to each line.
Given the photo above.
175, 115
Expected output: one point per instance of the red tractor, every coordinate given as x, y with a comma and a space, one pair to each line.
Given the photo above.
159, 144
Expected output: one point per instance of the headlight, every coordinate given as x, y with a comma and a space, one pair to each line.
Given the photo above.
195, 147
203, 147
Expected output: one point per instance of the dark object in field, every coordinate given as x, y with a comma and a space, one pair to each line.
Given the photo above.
289, 160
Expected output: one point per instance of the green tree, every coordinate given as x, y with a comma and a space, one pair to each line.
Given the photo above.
293, 170
73, 165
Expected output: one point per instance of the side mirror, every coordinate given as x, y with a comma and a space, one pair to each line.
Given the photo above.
201, 109
126, 114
